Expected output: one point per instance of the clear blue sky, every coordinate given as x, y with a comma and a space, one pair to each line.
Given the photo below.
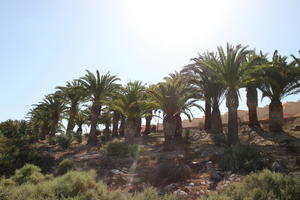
45, 43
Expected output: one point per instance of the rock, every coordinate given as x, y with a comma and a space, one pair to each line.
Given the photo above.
212, 171
278, 167
191, 184
180, 194
116, 171
297, 128
169, 188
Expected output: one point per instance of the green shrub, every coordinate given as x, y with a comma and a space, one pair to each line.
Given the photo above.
52, 140
187, 136
16, 152
265, 185
64, 141
28, 174
78, 137
73, 185
65, 166
134, 151
219, 139
244, 159
119, 149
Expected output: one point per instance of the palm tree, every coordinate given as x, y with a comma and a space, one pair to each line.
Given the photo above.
211, 90
278, 79
173, 97
74, 94
55, 106
81, 119
99, 89
230, 68
106, 119
131, 104
40, 121
200, 77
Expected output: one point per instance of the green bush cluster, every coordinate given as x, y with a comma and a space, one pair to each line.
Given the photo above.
244, 159
265, 185
16, 152
73, 185
52, 140
64, 141
65, 166
122, 149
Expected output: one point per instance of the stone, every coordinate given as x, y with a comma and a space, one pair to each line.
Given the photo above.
297, 128
191, 184
169, 188
212, 171
180, 194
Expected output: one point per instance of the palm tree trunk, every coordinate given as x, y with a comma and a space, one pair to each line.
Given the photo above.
216, 120
71, 123
79, 129
252, 107
95, 113
275, 115
130, 130
169, 125
148, 123
53, 125
122, 127
116, 119
232, 103
138, 127
207, 113
44, 131
178, 132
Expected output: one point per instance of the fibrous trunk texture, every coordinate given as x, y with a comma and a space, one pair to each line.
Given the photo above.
130, 130
95, 113
122, 127
216, 120
169, 125
252, 107
207, 117
232, 103
72, 115
148, 123
275, 115
116, 119
178, 131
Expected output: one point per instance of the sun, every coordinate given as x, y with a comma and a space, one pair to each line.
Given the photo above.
175, 22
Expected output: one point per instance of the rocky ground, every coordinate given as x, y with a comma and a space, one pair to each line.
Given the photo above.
200, 155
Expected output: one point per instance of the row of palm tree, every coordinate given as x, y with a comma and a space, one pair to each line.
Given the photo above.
212, 77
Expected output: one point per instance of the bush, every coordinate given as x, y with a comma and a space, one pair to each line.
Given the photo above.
219, 139
134, 151
64, 141
188, 136
78, 137
28, 174
119, 149
52, 140
122, 149
65, 166
265, 185
244, 159
172, 171
16, 152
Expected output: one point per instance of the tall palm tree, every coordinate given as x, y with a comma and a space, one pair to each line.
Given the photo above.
201, 78
55, 105
74, 94
99, 89
173, 97
106, 120
131, 104
230, 67
211, 90
278, 79
251, 84
40, 120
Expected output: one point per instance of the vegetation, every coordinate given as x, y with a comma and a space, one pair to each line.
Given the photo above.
262, 186
65, 166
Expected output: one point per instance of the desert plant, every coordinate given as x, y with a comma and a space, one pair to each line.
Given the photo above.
52, 140
265, 185
244, 159
65, 166
64, 141
28, 174
119, 149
